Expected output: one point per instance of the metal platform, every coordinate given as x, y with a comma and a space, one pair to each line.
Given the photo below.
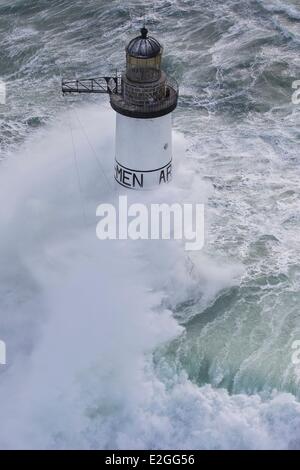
145, 100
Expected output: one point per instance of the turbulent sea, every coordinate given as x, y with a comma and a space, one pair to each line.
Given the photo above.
115, 345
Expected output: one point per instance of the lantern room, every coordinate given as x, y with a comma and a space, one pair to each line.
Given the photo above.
143, 55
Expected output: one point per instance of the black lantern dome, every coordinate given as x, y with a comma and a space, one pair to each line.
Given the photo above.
144, 46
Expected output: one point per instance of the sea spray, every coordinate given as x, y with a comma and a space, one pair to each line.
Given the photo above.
85, 378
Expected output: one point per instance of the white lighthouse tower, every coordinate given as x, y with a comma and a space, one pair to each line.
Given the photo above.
144, 98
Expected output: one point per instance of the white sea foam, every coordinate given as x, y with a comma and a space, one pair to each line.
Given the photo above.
81, 318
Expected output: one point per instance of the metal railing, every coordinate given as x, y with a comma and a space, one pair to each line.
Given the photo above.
147, 99
92, 85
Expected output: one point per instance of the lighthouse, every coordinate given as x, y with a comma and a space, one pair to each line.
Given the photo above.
143, 97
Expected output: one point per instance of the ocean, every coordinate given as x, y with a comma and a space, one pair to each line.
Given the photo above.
141, 345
